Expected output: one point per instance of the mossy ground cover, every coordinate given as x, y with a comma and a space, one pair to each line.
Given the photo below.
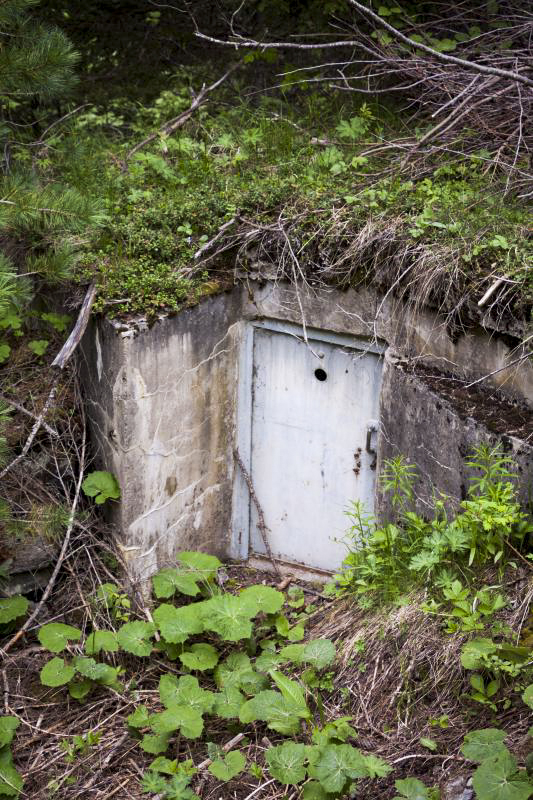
308, 167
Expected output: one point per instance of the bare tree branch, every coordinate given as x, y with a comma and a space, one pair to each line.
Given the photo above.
177, 122
502, 73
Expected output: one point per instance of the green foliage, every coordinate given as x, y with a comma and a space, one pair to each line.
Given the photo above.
484, 653
414, 552
79, 746
286, 762
134, 637
38, 346
200, 657
56, 672
55, 636
8, 726
413, 789
11, 608
10, 780
171, 580
101, 640
527, 695
113, 601
497, 776
229, 767
102, 486
177, 624
483, 744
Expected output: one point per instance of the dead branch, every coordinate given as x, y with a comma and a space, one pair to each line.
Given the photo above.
78, 330
172, 125
502, 73
70, 525
27, 413
35, 429
261, 524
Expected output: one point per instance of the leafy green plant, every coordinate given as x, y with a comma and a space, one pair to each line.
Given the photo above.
413, 789
227, 768
10, 780
78, 746
12, 608
497, 776
484, 692
102, 486
386, 560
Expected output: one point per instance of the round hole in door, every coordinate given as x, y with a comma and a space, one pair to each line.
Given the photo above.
320, 374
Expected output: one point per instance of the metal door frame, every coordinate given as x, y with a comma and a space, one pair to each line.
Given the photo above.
240, 527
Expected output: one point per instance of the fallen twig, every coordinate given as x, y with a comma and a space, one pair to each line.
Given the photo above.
261, 524
27, 413
78, 330
177, 122
35, 613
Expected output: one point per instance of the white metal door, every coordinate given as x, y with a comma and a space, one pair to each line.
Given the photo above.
311, 408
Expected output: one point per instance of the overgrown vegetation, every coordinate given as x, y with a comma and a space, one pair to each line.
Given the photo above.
161, 202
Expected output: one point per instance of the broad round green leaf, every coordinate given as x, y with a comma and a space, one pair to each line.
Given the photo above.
200, 657
80, 688
185, 691
12, 607
320, 653
227, 616
527, 695
231, 671
171, 580
261, 598
55, 636
483, 744
286, 763
496, 779
139, 718
89, 668
155, 743
10, 780
177, 624
336, 764
134, 637
183, 718
102, 486
56, 673
412, 789
8, 726
101, 640
202, 562
228, 703
229, 767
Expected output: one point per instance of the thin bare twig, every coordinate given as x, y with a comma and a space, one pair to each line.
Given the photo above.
172, 125
35, 613
261, 524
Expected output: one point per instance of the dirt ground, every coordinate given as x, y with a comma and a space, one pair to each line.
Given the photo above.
497, 412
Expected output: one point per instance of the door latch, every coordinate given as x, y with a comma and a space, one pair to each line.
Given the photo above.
371, 427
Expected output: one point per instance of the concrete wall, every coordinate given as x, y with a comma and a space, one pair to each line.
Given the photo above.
162, 409
419, 423
163, 405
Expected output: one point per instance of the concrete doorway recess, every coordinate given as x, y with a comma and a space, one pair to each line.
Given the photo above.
308, 428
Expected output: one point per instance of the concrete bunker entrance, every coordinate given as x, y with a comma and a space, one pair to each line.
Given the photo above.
308, 428
171, 403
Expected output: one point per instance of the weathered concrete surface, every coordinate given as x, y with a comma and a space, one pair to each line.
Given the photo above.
162, 409
419, 333
163, 405
423, 426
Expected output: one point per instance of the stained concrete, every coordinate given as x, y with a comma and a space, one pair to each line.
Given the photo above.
163, 404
